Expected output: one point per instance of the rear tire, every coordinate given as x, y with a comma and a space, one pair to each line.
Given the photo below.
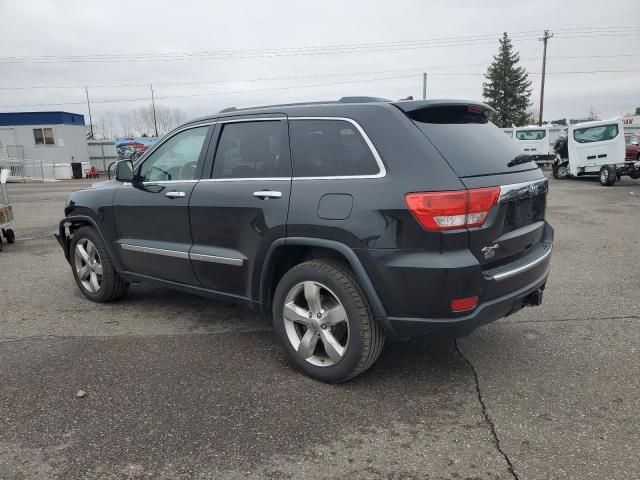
324, 322
608, 175
93, 269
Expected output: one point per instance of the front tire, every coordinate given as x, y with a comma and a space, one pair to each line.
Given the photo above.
560, 171
93, 269
324, 321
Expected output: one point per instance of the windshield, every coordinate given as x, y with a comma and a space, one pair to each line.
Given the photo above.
471, 144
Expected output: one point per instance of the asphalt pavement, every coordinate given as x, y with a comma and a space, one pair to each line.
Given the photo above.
179, 386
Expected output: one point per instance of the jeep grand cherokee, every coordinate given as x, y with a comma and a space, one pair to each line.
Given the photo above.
345, 222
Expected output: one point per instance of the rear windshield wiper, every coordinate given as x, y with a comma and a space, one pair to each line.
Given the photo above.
522, 158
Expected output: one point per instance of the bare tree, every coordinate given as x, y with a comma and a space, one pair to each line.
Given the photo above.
105, 127
140, 121
167, 119
126, 125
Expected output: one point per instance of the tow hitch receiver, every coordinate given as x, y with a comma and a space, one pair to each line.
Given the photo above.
534, 299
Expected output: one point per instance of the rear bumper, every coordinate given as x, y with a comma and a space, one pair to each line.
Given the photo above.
402, 328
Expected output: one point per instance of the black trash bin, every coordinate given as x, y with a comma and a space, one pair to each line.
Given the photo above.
76, 170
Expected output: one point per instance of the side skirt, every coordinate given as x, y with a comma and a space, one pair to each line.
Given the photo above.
204, 292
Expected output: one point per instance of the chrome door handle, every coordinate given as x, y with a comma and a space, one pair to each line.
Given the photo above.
264, 194
175, 194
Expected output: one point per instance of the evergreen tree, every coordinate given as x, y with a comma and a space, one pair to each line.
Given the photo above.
507, 88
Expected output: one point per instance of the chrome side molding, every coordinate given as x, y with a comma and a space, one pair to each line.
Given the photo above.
238, 262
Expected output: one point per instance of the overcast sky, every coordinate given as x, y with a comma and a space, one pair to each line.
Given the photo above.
263, 40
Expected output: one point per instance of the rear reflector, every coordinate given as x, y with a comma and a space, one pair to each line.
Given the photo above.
464, 304
452, 209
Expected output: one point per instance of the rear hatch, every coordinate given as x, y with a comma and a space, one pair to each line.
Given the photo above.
483, 156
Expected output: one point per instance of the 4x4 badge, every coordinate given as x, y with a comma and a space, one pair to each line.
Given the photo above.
490, 252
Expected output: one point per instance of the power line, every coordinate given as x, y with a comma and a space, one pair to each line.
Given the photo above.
292, 87
300, 77
442, 42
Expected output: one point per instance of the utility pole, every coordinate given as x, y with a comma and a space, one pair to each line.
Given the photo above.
544, 39
424, 86
153, 103
86, 90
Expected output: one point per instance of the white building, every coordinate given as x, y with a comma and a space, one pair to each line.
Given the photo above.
632, 123
55, 137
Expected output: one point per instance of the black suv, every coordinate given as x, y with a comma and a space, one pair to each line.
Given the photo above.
344, 222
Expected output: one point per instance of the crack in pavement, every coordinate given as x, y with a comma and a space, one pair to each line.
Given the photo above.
485, 414
572, 319
130, 335
263, 329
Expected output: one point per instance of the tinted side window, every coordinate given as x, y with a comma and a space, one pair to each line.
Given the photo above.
252, 150
329, 148
595, 134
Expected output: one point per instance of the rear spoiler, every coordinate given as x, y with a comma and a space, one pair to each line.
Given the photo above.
410, 106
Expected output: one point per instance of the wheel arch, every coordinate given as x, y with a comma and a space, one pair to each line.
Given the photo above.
73, 223
285, 253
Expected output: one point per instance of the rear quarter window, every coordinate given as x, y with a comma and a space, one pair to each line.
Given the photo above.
329, 148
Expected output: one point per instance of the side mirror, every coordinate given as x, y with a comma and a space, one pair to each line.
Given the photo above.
124, 171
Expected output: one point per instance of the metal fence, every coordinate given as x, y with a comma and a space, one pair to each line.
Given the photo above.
29, 170
102, 153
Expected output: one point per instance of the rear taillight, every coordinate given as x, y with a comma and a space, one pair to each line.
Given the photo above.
452, 209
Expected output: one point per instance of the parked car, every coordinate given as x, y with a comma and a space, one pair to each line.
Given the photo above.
344, 222
632, 146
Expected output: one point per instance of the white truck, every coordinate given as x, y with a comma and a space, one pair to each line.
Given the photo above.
594, 148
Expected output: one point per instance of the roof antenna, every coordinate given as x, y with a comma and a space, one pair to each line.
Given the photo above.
410, 97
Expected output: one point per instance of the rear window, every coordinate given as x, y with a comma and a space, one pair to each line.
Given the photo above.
530, 134
471, 144
329, 148
598, 133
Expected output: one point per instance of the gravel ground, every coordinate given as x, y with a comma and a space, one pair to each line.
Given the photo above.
184, 387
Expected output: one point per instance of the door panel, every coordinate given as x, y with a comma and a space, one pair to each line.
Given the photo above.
238, 214
146, 217
236, 228
152, 214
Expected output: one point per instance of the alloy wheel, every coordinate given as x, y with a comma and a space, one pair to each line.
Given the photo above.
316, 324
88, 265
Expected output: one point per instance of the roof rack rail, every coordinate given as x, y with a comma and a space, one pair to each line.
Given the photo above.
359, 99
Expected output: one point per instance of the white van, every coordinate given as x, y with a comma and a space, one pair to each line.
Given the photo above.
537, 141
596, 148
